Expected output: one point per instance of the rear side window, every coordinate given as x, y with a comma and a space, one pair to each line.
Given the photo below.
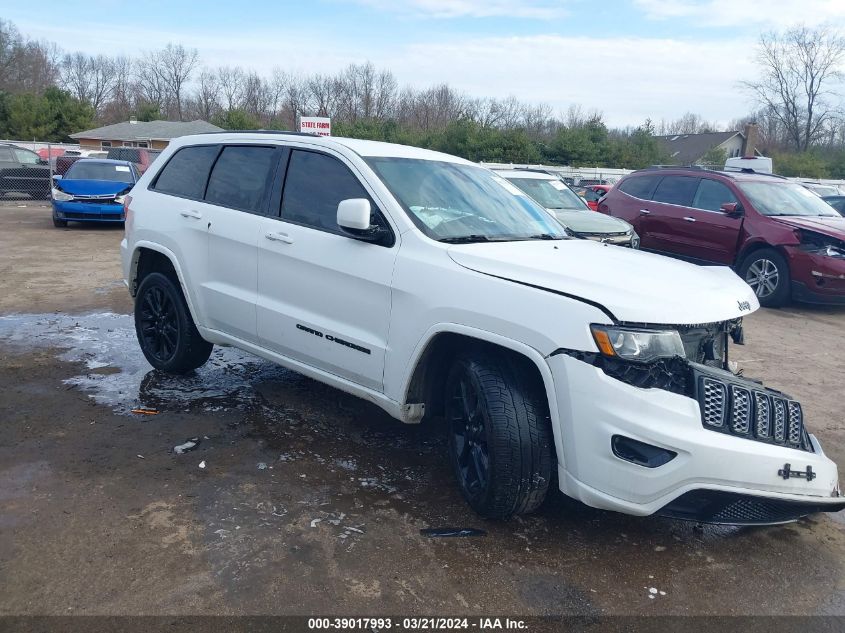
711, 195
6, 155
240, 178
314, 186
186, 173
639, 186
676, 190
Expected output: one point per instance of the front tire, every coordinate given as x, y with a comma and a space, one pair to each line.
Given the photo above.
59, 224
166, 332
767, 272
500, 441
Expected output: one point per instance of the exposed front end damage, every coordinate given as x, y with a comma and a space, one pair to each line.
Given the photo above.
688, 438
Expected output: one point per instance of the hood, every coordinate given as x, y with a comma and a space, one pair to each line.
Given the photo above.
632, 285
92, 187
833, 226
587, 221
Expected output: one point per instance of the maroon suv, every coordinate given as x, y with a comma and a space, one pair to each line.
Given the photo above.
785, 241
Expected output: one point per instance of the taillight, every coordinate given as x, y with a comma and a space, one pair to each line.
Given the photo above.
127, 213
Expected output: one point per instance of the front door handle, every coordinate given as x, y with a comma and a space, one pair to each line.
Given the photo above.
191, 213
689, 219
644, 211
279, 237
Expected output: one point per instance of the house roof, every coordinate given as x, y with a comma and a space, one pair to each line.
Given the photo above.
147, 130
685, 149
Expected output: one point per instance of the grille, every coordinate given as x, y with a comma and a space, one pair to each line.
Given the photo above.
757, 414
93, 216
762, 415
714, 399
741, 410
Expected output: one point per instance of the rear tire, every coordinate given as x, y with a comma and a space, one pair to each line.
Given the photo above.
166, 332
767, 272
500, 440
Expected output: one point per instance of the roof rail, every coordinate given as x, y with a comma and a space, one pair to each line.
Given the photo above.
699, 167
748, 170
288, 132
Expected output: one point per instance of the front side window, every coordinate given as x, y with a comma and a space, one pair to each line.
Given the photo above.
711, 195
314, 186
785, 198
84, 170
240, 177
186, 173
26, 157
552, 194
455, 202
676, 190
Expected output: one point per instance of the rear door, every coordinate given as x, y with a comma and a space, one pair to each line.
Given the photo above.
236, 201
324, 298
664, 223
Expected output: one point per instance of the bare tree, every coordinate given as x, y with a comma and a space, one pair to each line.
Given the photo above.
797, 70
175, 64
231, 82
207, 98
89, 78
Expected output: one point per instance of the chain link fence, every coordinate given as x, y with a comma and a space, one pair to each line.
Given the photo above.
27, 168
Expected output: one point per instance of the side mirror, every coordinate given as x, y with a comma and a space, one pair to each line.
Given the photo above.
57, 176
354, 214
731, 208
353, 218
43, 161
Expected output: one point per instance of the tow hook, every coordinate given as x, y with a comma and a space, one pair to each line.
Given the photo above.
786, 472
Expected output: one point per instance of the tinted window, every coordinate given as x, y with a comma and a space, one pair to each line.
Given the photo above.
186, 173
639, 186
6, 155
676, 190
314, 186
240, 177
711, 195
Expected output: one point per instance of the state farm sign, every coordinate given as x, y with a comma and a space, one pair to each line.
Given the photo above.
316, 125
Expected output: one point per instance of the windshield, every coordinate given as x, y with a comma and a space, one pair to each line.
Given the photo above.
453, 202
782, 198
552, 194
81, 170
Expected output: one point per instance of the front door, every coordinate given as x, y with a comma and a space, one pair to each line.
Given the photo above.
324, 298
710, 233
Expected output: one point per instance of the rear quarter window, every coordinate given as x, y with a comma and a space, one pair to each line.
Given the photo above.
186, 173
639, 186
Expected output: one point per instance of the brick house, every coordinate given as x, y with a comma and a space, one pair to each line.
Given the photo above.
132, 133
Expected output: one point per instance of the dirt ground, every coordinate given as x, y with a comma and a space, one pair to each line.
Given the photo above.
312, 501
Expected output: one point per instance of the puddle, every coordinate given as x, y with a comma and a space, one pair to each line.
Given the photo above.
121, 378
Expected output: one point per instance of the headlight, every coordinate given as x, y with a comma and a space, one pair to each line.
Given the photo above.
831, 251
61, 196
637, 345
635, 240
119, 199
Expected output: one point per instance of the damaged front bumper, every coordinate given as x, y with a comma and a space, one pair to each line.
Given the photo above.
609, 430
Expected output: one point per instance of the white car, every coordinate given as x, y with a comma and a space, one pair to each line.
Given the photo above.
570, 209
431, 287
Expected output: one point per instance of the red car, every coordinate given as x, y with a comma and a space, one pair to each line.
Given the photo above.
592, 194
785, 241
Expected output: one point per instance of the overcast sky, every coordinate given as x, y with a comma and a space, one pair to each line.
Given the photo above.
631, 59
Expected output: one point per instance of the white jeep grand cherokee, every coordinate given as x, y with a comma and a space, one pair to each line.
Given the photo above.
433, 287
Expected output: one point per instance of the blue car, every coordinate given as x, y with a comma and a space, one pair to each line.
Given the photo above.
92, 190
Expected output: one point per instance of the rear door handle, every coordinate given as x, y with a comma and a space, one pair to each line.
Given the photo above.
279, 237
644, 211
191, 213
689, 219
